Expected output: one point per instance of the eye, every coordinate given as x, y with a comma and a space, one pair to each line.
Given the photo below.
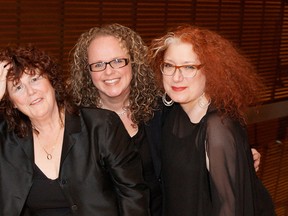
35, 78
18, 87
189, 67
118, 61
167, 65
98, 65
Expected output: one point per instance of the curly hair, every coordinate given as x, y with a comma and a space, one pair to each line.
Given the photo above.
30, 60
231, 80
143, 88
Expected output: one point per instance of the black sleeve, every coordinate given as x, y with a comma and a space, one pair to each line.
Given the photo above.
125, 168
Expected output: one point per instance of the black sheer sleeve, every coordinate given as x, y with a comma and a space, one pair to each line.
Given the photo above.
230, 167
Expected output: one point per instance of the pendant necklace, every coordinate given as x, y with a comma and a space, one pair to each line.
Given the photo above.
49, 155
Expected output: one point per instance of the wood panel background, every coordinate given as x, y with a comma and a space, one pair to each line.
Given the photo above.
258, 27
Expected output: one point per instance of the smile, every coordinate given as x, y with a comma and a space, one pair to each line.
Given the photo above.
36, 101
112, 81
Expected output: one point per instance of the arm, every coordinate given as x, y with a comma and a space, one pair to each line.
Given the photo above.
230, 164
125, 168
3, 73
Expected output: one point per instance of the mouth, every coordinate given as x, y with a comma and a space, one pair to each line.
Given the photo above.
178, 89
111, 81
36, 101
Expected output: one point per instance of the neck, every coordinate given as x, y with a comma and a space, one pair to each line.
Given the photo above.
53, 123
118, 105
197, 109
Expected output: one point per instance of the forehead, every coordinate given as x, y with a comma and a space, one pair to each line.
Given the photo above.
104, 47
180, 51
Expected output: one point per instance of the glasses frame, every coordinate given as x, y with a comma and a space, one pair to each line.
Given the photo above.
198, 67
106, 63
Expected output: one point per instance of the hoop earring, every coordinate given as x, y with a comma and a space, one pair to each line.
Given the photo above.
167, 103
203, 102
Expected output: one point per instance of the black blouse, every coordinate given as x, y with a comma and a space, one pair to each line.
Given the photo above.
46, 197
229, 188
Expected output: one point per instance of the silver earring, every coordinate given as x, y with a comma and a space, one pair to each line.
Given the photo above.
167, 103
203, 102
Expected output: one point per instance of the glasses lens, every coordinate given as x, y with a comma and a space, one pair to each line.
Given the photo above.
98, 66
188, 70
167, 69
118, 63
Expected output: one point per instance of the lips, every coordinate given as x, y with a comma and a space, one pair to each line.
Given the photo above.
178, 89
36, 101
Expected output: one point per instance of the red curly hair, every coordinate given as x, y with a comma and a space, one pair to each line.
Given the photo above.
231, 80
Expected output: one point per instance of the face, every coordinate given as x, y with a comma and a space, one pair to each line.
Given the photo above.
111, 83
183, 90
33, 95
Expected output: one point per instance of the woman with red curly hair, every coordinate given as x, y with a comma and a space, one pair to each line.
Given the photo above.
207, 165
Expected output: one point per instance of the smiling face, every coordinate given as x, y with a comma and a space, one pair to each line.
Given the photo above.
183, 90
33, 95
110, 82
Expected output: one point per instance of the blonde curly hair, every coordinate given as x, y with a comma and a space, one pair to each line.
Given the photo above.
143, 89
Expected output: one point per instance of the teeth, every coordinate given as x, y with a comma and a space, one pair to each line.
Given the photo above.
111, 81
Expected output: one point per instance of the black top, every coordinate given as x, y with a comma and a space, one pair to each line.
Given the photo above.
142, 146
46, 197
230, 187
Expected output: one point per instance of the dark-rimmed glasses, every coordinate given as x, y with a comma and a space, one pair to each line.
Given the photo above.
188, 70
115, 64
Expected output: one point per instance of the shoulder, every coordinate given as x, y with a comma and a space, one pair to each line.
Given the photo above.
223, 131
217, 122
99, 116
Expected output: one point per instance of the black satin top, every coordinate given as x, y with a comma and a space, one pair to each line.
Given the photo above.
142, 146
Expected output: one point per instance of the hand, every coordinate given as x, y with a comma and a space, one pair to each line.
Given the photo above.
4, 66
256, 158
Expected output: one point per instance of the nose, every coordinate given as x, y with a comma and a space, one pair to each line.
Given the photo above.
108, 70
177, 76
30, 90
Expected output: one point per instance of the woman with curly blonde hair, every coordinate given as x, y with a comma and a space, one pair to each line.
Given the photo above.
110, 71
207, 165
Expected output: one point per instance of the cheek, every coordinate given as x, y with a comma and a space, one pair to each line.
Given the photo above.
17, 101
165, 81
95, 78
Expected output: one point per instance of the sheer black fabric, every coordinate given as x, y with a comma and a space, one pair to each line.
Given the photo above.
230, 188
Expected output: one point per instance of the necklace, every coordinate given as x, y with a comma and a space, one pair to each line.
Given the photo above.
124, 108
122, 113
49, 155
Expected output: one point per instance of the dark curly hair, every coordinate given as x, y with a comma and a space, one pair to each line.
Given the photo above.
28, 59
143, 88
231, 80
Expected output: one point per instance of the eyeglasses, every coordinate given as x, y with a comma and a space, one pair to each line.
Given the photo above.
188, 70
115, 64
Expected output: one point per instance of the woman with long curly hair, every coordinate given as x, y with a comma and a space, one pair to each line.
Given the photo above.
110, 71
207, 165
